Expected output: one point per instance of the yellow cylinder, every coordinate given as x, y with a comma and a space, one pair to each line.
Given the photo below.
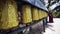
26, 14
43, 13
46, 14
35, 14
9, 18
40, 14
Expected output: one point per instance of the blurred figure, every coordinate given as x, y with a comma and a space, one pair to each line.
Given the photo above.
50, 17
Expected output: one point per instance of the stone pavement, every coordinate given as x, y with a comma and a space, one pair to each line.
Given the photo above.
54, 28
36, 29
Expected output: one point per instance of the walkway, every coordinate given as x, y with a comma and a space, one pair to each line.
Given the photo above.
54, 27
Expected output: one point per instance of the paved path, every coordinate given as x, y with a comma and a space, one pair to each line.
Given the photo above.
37, 28
54, 28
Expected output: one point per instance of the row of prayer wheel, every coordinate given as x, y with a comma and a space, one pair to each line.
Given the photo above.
9, 14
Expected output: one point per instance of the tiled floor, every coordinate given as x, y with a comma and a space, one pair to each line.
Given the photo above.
54, 27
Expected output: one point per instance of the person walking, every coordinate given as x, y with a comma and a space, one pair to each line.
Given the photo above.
50, 17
